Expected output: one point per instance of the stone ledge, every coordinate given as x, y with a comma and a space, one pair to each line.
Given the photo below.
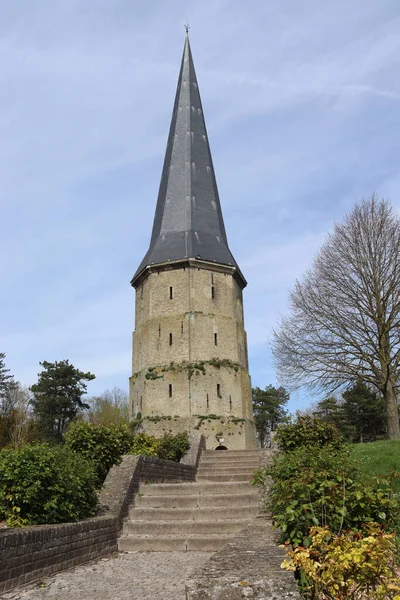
247, 567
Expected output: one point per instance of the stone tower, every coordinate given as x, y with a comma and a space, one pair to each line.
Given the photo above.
190, 365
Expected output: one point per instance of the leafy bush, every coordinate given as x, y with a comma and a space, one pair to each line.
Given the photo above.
307, 431
104, 445
173, 447
45, 484
143, 444
169, 447
350, 565
315, 486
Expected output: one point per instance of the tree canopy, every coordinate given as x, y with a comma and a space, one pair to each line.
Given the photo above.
344, 320
268, 409
57, 396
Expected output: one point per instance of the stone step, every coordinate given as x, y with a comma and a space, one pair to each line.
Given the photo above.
184, 527
232, 453
198, 500
240, 464
190, 489
218, 470
174, 543
195, 514
240, 478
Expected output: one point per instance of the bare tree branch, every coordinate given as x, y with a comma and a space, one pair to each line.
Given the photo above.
345, 312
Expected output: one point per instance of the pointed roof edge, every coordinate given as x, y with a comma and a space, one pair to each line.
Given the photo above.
188, 223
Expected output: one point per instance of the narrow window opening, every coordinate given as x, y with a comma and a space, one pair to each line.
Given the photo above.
141, 402
208, 402
141, 291
230, 403
170, 339
170, 293
212, 278
170, 390
216, 339
213, 292
159, 331
219, 390
181, 327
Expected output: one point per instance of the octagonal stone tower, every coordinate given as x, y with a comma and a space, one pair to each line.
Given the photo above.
190, 364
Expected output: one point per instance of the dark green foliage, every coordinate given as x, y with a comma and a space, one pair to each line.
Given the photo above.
307, 431
331, 411
58, 396
45, 484
268, 409
365, 412
104, 445
173, 447
323, 486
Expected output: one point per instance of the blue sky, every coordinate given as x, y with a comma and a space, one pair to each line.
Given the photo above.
302, 105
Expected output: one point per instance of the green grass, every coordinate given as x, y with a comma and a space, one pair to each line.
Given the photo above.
379, 458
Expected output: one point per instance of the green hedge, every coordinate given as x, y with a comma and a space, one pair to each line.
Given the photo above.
45, 484
104, 445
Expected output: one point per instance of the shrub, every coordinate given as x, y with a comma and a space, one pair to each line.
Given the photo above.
143, 444
173, 447
307, 431
322, 486
104, 445
45, 484
350, 565
169, 447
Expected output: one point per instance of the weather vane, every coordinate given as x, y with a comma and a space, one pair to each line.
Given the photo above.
187, 28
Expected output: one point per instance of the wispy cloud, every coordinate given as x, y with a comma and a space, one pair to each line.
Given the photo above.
302, 106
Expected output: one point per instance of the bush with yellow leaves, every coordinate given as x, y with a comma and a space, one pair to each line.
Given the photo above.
347, 566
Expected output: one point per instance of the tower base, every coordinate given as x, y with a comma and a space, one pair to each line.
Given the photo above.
220, 432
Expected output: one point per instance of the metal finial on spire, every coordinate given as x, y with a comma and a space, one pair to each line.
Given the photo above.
187, 28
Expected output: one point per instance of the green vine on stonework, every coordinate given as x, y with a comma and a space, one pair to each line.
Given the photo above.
198, 367
222, 419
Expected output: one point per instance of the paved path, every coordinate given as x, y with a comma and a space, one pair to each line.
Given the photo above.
138, 575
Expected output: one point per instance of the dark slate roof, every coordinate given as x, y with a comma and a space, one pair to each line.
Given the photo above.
188, 221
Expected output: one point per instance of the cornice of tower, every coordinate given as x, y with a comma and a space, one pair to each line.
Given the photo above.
190, 263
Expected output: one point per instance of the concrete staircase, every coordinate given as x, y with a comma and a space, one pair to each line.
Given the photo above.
195, 516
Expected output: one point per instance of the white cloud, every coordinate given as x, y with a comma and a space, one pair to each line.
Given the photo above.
301, 101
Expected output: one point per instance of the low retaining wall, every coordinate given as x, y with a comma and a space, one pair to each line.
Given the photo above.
31, 553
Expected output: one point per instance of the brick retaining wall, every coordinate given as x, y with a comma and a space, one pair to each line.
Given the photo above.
32, 553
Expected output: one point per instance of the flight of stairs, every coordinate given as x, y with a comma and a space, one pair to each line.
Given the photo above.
195, 516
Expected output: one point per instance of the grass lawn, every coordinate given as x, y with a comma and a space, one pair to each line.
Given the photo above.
379, 458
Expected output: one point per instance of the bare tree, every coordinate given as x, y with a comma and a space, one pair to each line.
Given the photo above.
20, 417
344, 322
111, 407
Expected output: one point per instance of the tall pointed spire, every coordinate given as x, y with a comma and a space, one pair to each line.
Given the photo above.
188, 221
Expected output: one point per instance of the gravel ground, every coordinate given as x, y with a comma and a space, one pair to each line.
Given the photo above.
144, 575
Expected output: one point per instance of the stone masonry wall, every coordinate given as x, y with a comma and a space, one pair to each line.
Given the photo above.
185, 317
32, 553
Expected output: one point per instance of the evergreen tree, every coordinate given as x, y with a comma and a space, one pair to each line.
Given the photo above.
331, 410
58, 396
268, 409
365, 412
